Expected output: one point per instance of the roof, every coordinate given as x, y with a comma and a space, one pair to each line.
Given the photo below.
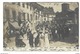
15, 25
65, 4
48, 10
36, 5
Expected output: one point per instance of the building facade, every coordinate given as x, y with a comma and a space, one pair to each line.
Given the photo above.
68, 18
31, 12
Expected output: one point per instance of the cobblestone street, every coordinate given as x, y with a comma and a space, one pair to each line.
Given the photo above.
54, 46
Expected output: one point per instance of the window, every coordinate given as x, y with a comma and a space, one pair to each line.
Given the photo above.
36, 17
14, 15
28, 16
23, 4
27, 5
31, 16
19, 18
30, 7
23, 16
19, 15
6, 14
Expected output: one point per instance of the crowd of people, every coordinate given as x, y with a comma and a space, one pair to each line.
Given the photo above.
36, 37
41, 35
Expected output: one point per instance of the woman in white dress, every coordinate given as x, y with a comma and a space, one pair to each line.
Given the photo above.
42, 36
47, 40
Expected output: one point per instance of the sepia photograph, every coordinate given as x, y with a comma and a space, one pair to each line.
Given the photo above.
41, 26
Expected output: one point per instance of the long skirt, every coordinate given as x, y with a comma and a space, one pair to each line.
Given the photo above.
41, 43
46, 41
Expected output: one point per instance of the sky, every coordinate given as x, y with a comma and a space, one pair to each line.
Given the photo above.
57, 5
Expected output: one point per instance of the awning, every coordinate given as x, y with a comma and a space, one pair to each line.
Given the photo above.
15, 25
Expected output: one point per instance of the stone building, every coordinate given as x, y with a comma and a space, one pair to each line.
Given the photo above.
15, 13
22, 11
48, 14
68, 18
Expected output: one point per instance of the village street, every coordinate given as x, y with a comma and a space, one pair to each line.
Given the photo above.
54, 46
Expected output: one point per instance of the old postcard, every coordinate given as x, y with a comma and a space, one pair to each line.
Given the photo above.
41, 26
